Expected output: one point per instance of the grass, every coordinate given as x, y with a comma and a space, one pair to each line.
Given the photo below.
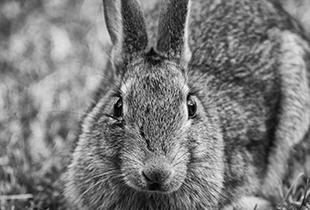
296, 196
51, 59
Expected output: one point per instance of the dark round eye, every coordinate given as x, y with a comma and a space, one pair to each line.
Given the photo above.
118, 108
191, 107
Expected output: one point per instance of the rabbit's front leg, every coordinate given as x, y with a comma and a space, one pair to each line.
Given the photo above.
250, 203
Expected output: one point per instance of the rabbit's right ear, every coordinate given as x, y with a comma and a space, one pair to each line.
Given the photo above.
126, 27
173, 30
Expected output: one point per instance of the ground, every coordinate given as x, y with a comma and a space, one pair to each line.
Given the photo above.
52, 58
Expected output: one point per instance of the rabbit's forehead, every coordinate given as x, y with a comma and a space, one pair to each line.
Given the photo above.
156, 84
158, 91
156, 100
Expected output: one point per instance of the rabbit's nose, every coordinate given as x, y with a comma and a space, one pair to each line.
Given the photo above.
157, 175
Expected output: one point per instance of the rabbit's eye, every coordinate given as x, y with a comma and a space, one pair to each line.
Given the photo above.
191, 107
118, 108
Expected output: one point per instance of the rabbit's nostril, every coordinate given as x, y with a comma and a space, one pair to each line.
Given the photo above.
146, 177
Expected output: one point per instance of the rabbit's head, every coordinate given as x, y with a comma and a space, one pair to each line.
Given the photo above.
153, 132
165, 137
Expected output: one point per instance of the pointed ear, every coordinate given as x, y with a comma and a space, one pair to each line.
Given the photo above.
173, 30
127, 29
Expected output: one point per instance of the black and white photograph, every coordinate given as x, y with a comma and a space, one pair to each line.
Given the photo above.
154, 104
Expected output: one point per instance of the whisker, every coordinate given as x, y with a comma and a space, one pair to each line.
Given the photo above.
58, 111
111, 82
192, 88
180, 159
109, 79
111, 116
303, 12
107, 174
92, 187
114, 64
102, 47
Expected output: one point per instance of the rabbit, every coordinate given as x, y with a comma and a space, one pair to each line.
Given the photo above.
204, 109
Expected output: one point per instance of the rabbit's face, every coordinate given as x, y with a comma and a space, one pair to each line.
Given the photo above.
166, 141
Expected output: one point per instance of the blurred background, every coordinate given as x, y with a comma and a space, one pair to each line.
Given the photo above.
52, 56
51, 61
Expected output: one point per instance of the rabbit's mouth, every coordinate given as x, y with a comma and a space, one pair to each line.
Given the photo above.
156, 187
155, 176
165, 186
162, 181
139, 183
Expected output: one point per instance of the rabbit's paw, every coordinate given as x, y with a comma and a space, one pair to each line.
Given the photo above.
250, 203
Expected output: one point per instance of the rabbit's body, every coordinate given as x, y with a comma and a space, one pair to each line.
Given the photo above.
247, 73
259, 63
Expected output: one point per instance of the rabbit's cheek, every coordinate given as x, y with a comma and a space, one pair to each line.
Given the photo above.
206, 159
132, 178
130, 167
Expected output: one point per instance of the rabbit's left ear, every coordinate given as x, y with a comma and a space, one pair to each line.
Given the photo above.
172, 32
127, 29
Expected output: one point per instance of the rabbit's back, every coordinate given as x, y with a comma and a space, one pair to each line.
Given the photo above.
238, 38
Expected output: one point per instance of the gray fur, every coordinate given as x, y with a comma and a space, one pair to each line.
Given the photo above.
173, 32
127, 29
249, 75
